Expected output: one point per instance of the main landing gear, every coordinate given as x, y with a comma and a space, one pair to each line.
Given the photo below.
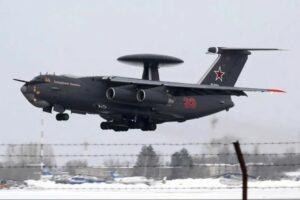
62, 117
125, 127
149, 127
112, 126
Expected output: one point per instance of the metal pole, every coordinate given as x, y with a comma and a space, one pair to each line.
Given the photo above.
42, 148
243, 168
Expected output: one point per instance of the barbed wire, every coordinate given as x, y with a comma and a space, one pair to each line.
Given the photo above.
151, 166
147, 155
273, 165
147, 144
270, 143
162, 188
113, 144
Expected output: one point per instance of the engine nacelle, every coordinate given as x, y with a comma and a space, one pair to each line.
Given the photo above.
154, 96
121, 94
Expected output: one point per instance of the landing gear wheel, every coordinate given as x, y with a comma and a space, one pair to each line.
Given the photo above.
59, 117
112, 126
62, 117
149, 127
152, 127
104, 125
119, 129
65, 117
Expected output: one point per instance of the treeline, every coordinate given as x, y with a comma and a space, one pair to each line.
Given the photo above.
31, 154
220, 160
25, 161
217, 160
148, 164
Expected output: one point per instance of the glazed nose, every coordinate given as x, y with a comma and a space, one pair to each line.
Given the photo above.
24, 89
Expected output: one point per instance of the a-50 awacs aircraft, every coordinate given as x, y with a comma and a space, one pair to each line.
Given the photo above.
130, 103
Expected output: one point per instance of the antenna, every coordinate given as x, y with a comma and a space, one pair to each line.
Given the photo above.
151, 63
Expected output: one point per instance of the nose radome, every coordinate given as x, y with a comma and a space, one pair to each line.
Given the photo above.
23, 89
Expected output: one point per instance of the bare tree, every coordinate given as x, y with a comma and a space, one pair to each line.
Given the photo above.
147, 163
27, 161
182, 164
72, 165
29, 155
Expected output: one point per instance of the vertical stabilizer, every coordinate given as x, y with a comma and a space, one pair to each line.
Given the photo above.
228, 66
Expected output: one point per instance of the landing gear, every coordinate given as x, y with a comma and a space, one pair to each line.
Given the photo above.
62, 117
104, 125
149, 127
120, 128
126, 126
113, 126
48, 109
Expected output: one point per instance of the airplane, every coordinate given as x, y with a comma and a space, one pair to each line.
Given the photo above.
132, 103
131, 179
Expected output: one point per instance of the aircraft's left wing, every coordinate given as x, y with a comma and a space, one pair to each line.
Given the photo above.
188, 88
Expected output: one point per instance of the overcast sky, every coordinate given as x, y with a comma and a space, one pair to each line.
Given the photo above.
86, 37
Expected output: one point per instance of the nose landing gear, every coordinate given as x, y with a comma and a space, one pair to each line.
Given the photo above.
62, 117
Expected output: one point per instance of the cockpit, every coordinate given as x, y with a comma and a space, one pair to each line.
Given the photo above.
31, 90
37, 79
40, 79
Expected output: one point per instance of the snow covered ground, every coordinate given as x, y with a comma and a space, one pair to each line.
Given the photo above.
175, 189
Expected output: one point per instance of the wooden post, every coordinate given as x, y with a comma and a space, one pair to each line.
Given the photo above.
243, 168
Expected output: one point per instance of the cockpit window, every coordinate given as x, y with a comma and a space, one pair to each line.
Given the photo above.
38, 79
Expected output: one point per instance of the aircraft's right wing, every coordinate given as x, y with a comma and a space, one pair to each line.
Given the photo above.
187, 89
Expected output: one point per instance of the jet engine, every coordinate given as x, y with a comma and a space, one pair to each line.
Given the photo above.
121, 94
154, 96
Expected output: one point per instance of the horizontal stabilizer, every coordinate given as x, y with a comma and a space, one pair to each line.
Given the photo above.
276, 91
220, 50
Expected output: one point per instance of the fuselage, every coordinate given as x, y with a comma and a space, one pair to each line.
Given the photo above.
87, 95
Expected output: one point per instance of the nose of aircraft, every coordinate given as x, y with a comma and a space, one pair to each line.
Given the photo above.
33, 97
24, 89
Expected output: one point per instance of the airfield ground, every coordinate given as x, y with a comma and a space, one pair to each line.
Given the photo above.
282, 189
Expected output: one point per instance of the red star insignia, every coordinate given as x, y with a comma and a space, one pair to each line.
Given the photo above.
219, 74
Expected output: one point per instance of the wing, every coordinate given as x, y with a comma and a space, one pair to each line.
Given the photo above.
185, 88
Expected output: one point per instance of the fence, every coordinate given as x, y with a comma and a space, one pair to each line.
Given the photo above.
27, 161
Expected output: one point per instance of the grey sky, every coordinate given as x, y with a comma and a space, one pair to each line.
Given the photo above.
86, 37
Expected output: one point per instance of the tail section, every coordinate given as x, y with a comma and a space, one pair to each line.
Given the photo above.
114, 174
228, 66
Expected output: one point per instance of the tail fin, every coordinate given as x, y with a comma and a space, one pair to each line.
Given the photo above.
228, 66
